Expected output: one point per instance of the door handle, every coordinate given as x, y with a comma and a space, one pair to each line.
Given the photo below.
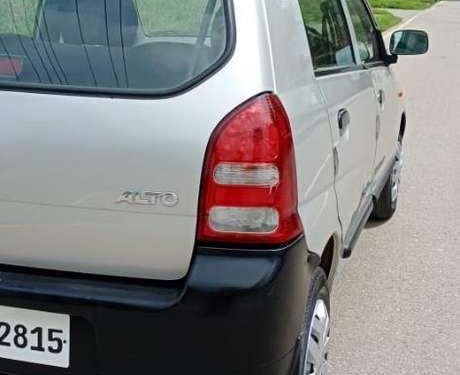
344, 120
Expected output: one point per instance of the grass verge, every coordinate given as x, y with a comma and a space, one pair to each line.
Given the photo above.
402, 4
385, 19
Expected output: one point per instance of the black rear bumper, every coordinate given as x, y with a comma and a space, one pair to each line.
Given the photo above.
235, 313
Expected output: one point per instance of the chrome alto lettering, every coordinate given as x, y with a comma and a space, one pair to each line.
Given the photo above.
149, 198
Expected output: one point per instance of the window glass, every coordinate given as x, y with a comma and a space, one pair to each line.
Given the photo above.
152, 45
18, 16
366, 33
179, 17
328, 34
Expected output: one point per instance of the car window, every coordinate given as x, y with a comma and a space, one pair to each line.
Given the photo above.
24, 12
180, 17
327, 32
366, 34
124, 45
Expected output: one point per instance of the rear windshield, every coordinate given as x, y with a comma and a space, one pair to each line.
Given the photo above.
155, 46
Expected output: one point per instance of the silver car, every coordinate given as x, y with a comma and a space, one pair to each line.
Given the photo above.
180, 179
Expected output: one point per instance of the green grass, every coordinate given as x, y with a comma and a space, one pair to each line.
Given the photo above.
402, 4
385, 19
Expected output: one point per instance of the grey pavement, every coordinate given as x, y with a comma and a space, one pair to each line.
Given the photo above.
396, 302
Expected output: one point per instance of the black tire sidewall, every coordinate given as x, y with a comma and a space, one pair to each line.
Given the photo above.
318, 290
385, 207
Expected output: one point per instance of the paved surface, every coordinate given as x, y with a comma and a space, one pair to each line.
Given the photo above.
396, 303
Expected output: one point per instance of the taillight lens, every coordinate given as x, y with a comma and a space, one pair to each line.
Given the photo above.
249, 186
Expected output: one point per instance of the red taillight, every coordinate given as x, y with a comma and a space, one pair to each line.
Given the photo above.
249, 186
10, 66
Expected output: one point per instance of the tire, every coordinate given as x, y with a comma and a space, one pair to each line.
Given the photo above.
387, 203
316, 328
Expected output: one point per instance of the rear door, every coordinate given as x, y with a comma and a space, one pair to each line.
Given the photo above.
102, 143
349, 94
385, 90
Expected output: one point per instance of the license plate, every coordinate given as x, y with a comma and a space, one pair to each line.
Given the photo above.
35, 337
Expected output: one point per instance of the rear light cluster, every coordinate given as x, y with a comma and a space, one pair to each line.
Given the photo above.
249, 186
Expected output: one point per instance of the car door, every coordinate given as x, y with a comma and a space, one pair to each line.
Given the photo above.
349, 93
368, 41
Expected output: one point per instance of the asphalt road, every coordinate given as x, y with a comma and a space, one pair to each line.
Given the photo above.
396, 302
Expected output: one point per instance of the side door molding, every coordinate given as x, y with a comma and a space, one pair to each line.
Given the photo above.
356, 227
362, 216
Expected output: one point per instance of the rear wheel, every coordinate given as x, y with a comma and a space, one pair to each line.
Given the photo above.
314, 343
387, 203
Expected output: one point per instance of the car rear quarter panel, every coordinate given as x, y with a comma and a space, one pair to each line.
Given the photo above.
296, 85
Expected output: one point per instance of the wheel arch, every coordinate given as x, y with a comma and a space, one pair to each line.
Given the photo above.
402, 127
330, 257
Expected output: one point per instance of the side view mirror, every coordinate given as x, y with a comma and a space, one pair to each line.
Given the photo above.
409, 42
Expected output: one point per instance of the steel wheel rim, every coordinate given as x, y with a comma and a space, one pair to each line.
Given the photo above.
317, 350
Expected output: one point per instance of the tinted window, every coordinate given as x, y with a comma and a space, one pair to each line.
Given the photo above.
152, 45
366, 33
179, 17
328, 33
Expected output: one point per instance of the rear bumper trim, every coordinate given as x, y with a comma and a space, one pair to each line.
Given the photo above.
133, 294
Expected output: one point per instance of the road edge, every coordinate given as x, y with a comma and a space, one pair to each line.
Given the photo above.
388, 32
